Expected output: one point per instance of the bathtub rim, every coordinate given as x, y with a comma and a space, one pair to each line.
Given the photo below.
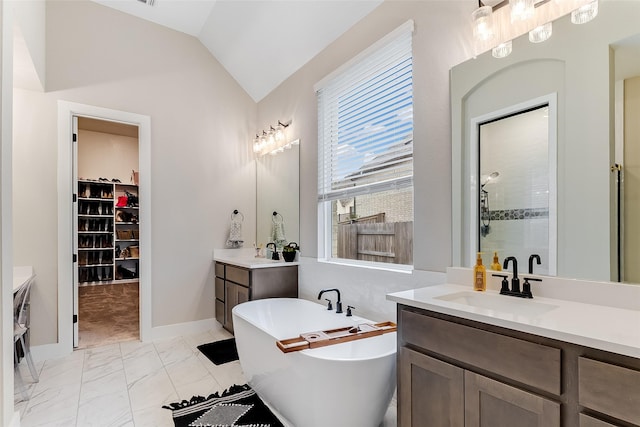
313, 352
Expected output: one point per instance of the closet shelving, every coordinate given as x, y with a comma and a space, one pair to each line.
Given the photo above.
100, 249
127, 235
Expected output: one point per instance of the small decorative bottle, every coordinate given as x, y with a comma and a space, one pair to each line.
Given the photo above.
479, 275
496, 263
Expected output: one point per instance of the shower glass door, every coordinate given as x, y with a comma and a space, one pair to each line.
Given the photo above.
514, 188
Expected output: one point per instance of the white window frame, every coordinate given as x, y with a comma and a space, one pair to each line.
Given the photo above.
325, 206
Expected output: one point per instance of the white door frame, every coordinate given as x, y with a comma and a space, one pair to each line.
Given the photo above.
66, 112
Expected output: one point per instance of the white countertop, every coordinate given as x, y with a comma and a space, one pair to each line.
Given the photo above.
22, 275
246, 258
591, 325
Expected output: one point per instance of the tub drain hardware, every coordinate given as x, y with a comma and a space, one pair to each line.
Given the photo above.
335, 336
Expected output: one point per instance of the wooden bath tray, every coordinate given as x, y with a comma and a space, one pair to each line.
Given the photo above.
335, 336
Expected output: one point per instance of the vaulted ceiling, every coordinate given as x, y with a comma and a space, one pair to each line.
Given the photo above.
259, 42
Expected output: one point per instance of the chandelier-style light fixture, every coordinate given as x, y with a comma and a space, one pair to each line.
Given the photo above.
497, 22
273, 141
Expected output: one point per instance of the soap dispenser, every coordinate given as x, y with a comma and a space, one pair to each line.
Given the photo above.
496, 266
479, 275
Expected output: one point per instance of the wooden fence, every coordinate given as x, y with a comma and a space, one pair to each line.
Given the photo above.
390, 242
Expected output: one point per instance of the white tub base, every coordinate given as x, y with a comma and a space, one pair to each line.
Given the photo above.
348, 384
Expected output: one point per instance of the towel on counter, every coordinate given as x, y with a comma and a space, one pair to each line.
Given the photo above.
235, 239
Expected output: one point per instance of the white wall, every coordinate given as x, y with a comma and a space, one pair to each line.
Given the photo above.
30, 20
104, 155
202, 165
441, 40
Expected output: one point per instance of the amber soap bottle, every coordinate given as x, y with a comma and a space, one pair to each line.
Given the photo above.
496, 263
479, 275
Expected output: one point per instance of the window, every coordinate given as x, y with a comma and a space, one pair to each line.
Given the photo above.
365, 157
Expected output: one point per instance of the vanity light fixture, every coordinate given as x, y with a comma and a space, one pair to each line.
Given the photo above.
496, 22
586, 13
541, 33
482, 27
521, 10
273, 141
502, 50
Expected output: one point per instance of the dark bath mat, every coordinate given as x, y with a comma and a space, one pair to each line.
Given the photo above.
220, 352
239, 405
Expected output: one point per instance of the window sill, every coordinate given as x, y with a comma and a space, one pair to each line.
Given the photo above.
395, 268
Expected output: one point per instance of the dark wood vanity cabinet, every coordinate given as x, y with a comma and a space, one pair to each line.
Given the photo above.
458, 373
235, 285
609, 389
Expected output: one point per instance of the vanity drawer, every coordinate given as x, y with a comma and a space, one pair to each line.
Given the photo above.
220, 289
219, 267
526, 362
610, 389
587, 421
237, 275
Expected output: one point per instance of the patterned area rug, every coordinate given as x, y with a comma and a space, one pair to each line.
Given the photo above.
239, 406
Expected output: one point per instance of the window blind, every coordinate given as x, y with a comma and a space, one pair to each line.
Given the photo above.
365, 121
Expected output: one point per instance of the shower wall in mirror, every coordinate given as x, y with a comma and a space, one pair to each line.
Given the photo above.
278, 190
517, 187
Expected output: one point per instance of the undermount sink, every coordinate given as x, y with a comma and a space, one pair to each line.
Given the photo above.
499, 303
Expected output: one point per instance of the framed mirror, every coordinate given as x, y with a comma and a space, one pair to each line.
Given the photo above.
278, 190
579, 64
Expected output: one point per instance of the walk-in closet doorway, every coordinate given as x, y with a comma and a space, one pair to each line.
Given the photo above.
107, 232
97, 216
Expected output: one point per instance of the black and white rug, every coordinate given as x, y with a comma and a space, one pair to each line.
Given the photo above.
239, 406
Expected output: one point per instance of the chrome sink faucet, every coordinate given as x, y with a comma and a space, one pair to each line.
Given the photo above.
338, 303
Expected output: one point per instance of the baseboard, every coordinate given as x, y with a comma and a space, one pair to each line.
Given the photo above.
40, 353
15, 421
44, 352
186, 328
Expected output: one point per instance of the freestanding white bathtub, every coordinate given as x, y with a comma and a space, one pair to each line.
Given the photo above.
342, 385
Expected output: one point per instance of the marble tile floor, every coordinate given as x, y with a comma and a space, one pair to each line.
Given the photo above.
126, 384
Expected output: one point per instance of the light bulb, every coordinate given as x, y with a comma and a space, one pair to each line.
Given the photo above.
585, 13
502, 50
482, 29
279, 132
263, 140
541, 33
521, 10
271, 136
